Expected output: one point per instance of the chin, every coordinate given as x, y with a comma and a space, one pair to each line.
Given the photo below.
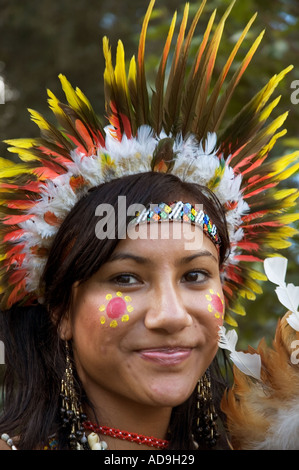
171, 395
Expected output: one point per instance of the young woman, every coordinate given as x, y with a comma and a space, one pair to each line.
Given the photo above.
139, 361
124, 249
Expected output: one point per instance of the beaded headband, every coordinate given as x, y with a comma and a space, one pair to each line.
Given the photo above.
182, 212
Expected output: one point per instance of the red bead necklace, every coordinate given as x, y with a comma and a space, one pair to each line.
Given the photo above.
127, 436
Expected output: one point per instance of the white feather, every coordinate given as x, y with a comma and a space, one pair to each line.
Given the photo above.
288, 296
275, 269
283, 433
293, 320
249, 364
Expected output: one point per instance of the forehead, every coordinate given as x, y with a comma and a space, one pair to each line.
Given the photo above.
166, 239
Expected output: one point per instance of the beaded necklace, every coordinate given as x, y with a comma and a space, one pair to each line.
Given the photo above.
95, 443
124, 435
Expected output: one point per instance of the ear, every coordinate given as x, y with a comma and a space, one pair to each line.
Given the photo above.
65, 327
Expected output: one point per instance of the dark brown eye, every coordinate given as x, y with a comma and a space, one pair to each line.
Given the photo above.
195, 276
125, 279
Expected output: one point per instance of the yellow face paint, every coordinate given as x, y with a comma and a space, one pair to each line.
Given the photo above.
116, 308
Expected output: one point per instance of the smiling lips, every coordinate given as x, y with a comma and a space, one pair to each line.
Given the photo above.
166, 356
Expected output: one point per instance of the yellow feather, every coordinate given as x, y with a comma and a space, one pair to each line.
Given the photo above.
271, 85
14, 171
283, 162
254, 286
246, 293
120, 69
54, 104
230, 320
85, 100
24, 154
239, 309
282, 232
132, 71
268, 110
22, 143
143, 34
287, 173
70, 93
276, 124
288, 218
39, 119
284, 193
266, 148
5, 163
108, 72
257, 275
279, 244
287, 196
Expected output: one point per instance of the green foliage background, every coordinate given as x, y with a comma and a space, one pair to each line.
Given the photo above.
41, 38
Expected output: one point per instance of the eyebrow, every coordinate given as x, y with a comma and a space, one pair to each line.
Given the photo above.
141, 260
199, 254
122, 255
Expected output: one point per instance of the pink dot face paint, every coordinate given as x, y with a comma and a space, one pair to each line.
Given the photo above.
215, 304
115, 309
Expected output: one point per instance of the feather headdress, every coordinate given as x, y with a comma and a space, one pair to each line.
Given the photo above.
185, 112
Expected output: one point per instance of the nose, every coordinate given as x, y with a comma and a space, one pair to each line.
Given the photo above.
166, 310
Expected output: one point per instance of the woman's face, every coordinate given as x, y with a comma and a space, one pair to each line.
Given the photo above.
145, 326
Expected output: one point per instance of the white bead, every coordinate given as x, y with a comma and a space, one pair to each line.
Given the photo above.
104, 445
95, 443
9, 442
97, 446
5, 437
93, 438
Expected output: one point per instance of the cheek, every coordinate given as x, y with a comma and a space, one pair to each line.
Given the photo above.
115, 309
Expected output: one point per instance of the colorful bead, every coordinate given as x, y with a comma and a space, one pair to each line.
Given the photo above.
180, 211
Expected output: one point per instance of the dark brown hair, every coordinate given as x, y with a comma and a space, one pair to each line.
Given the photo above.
34, 352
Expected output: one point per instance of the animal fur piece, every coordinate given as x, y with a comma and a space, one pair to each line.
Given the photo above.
264, 415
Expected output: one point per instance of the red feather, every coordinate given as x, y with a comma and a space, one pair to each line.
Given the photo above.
12, 236
16, 219
249, 258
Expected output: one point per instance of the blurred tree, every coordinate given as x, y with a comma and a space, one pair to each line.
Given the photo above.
42, 38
